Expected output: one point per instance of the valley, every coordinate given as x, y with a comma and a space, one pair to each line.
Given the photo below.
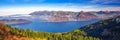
107, 29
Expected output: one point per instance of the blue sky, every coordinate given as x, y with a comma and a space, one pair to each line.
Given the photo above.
76, 2
27, 6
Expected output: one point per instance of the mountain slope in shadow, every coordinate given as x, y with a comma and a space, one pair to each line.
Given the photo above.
105, 29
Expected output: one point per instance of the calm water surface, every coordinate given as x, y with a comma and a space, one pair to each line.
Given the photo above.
37, 25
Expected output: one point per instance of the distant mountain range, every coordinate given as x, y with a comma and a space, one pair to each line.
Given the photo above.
73, 16
15, 19
61, 16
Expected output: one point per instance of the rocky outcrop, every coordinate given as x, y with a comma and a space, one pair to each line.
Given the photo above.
85, 16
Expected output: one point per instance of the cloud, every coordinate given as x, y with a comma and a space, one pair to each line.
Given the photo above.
106, 1
113, 8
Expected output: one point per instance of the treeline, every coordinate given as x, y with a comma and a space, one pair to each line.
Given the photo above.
105, 29
73, 35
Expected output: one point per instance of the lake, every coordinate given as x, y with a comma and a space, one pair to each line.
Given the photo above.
37, 25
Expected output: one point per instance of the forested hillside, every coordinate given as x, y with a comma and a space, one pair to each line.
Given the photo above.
105, 29
8, 33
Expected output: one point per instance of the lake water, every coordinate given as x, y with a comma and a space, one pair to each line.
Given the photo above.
37, 25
